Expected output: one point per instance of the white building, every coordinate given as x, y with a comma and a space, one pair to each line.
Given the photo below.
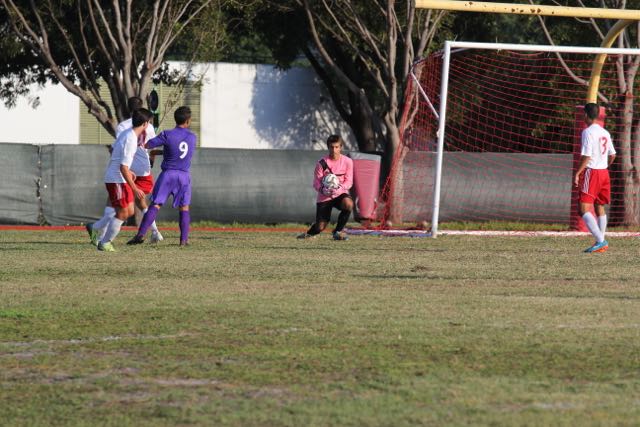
237, 106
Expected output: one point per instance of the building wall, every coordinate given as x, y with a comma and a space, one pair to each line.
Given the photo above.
241, 106
54, 121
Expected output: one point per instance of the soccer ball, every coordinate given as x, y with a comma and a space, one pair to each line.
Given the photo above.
330, 182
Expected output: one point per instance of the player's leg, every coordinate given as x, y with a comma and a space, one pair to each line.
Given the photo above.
601, 215
345, 206
145, 183
148, 218
602, 225
592, 225
323, 216
182, 200
589, 188
604, 198
97, 229
159, 196
185, 221
121, 197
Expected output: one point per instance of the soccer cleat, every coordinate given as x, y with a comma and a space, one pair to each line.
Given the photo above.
340, 235
136, 240
185, 243
304, 236
598, 247
93, 234
156, 237
106, 247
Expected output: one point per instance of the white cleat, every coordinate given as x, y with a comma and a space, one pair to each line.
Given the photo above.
156, 237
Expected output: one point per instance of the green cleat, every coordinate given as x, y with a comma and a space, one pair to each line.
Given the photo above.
106, 247
93, 234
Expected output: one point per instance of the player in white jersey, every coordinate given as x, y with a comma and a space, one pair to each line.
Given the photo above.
592, 176
119, 180
141, 169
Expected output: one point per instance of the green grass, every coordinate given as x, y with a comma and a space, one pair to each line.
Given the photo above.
262, 329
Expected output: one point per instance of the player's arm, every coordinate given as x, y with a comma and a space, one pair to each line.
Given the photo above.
318, 173
151, 133
348, 177
611, 154
156, 142
128, 177
131, 146
584, 161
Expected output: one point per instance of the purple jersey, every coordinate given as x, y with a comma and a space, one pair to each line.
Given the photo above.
178, 147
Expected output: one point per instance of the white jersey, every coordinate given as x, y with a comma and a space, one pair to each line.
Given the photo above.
124, 149
141, 165
597, 144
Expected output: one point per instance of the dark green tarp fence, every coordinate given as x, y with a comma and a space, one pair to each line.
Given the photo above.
62, 184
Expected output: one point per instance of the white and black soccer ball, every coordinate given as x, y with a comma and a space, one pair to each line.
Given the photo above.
330, 182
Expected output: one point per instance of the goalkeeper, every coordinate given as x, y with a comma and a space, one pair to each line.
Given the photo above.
332, 192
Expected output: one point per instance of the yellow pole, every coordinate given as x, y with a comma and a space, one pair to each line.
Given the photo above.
625, 16
596, 70
529, 9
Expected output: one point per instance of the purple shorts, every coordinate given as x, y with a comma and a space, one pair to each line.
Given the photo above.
173, 182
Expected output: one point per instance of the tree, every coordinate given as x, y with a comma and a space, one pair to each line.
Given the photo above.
621, 100
362, 52
83, 44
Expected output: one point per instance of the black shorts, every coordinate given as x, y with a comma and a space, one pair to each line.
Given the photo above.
323, 209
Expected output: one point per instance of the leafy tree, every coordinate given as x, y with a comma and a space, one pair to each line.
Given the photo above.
619, 100
362, 52
83, 44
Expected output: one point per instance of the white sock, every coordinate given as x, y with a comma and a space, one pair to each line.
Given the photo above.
112, 230
592, 225
153, 226
602, 224
109, 213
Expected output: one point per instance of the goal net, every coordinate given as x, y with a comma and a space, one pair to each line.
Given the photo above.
491, 132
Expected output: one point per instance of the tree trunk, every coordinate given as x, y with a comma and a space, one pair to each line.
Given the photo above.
630, 178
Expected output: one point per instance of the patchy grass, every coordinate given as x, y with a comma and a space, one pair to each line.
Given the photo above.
264, 329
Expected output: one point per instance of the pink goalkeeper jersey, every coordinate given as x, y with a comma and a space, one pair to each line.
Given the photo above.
342, 168
596, 143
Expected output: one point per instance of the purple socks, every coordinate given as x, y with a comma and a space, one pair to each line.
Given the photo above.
185, 219
147, 220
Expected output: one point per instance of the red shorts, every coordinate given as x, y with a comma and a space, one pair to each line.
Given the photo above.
595, 187
120, 194
144, 183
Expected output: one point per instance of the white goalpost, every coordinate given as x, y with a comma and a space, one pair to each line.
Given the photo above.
451, 46
490, 132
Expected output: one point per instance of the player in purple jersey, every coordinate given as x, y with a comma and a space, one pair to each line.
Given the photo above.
178, 144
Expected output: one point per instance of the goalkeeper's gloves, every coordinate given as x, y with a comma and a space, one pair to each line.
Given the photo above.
329, 191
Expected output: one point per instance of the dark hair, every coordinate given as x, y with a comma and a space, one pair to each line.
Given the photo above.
140, 116
182, 115
333, 139
134, 103
592, 110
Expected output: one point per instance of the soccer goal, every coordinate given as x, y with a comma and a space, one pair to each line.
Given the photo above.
491, 132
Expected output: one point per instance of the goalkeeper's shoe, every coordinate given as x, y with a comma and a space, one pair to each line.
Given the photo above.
305, 236
136, 240
598, 247
106, 247
156, 237
93, 234
340, 235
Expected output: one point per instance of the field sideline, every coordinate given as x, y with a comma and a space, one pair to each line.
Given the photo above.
261, 329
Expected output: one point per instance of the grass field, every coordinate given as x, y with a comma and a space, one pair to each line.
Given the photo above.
260, 329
